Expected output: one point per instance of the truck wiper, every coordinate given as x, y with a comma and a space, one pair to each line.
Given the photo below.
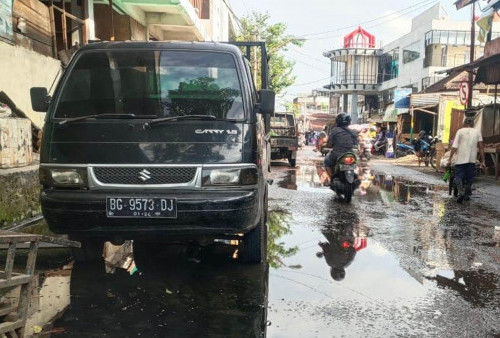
98, 116
181, 117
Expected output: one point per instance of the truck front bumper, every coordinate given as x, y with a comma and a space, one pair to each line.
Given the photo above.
198, 213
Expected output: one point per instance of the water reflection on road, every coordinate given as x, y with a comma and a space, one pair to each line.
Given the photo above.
402, 259
179, 297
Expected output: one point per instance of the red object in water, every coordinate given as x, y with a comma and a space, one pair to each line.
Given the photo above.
360, 243
359, 39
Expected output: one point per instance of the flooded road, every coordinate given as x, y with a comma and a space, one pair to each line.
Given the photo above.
401, 260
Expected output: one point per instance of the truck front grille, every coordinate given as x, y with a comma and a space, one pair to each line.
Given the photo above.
144, 176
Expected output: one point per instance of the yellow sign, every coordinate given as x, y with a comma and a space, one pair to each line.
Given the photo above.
450, 105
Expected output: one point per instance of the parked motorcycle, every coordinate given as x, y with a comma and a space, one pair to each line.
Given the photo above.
404, 149
425, 149
345, 180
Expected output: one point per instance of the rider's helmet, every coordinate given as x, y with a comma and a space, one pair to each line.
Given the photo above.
469, 120
337, 274
343, 120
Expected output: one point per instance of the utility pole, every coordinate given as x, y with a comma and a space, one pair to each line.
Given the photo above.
472, 53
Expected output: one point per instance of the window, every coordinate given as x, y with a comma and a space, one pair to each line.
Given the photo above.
411, 52
152, 84
456, 38
389, 65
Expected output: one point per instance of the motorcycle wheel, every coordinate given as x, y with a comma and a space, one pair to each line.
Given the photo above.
433, 160
348, 193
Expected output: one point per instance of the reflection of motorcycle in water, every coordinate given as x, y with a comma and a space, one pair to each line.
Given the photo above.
344, 241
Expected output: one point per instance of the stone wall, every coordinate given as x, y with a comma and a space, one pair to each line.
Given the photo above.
16, 148
21, 69
19, 195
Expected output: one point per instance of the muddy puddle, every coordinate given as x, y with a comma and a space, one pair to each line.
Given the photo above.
402, 259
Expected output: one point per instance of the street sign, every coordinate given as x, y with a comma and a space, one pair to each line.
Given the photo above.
402, 98
463, 92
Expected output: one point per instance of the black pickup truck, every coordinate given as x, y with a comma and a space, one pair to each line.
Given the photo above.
284, 138
158, 141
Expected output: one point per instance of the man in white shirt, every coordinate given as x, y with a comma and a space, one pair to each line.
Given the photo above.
466, 143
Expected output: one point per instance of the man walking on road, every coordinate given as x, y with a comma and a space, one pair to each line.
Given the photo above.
466, 143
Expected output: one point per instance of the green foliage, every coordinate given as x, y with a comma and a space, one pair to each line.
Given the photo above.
292, 107
256, 27
201, 95
278, 226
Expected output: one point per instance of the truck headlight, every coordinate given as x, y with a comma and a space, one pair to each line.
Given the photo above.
62, 177
230, 176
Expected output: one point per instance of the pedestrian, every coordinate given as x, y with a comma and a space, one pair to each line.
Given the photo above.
465, 145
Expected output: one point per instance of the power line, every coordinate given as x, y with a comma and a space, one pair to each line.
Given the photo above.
307, 83
369, 21
378, 24
238, 21
307, 64
295, 49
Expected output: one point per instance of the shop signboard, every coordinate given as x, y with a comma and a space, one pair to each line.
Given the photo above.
6, 19
402, 99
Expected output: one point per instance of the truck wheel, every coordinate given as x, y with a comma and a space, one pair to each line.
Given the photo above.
91, 249
255, 243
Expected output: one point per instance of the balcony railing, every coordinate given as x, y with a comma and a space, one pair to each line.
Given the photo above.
354, 80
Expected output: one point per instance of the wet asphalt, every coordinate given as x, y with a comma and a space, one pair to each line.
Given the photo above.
402, 259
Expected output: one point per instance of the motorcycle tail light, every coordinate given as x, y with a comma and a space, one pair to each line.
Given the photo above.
349, 160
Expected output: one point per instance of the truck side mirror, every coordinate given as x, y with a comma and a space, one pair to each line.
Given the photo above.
266, 102
39, 99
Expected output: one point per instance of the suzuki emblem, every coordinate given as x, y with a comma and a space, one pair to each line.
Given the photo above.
144, 175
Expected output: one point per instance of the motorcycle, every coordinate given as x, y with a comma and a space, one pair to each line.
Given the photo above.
404, 149
425, 149
345, 180
365, 149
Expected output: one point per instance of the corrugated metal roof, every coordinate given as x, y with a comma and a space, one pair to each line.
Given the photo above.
421, 100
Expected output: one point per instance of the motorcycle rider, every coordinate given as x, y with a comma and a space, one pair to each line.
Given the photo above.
341, 140
380, 139
465, 145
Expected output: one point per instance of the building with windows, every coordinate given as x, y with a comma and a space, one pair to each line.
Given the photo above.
435, 43
37, 36
416, 60
354, 70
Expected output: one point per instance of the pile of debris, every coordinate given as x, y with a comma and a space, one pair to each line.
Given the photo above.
19, 136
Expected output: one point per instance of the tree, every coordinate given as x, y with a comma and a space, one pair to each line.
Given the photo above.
256, 27
292, 107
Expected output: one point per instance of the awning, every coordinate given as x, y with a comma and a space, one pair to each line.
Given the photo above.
424, 100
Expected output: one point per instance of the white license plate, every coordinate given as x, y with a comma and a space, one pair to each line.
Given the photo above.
346, 167
142, 207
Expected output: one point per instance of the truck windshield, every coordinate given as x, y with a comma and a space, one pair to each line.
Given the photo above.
152, 84
282, 121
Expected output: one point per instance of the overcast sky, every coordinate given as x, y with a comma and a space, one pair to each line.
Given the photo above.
386, 19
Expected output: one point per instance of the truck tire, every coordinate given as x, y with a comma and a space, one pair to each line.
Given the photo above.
91, 249
255, 241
